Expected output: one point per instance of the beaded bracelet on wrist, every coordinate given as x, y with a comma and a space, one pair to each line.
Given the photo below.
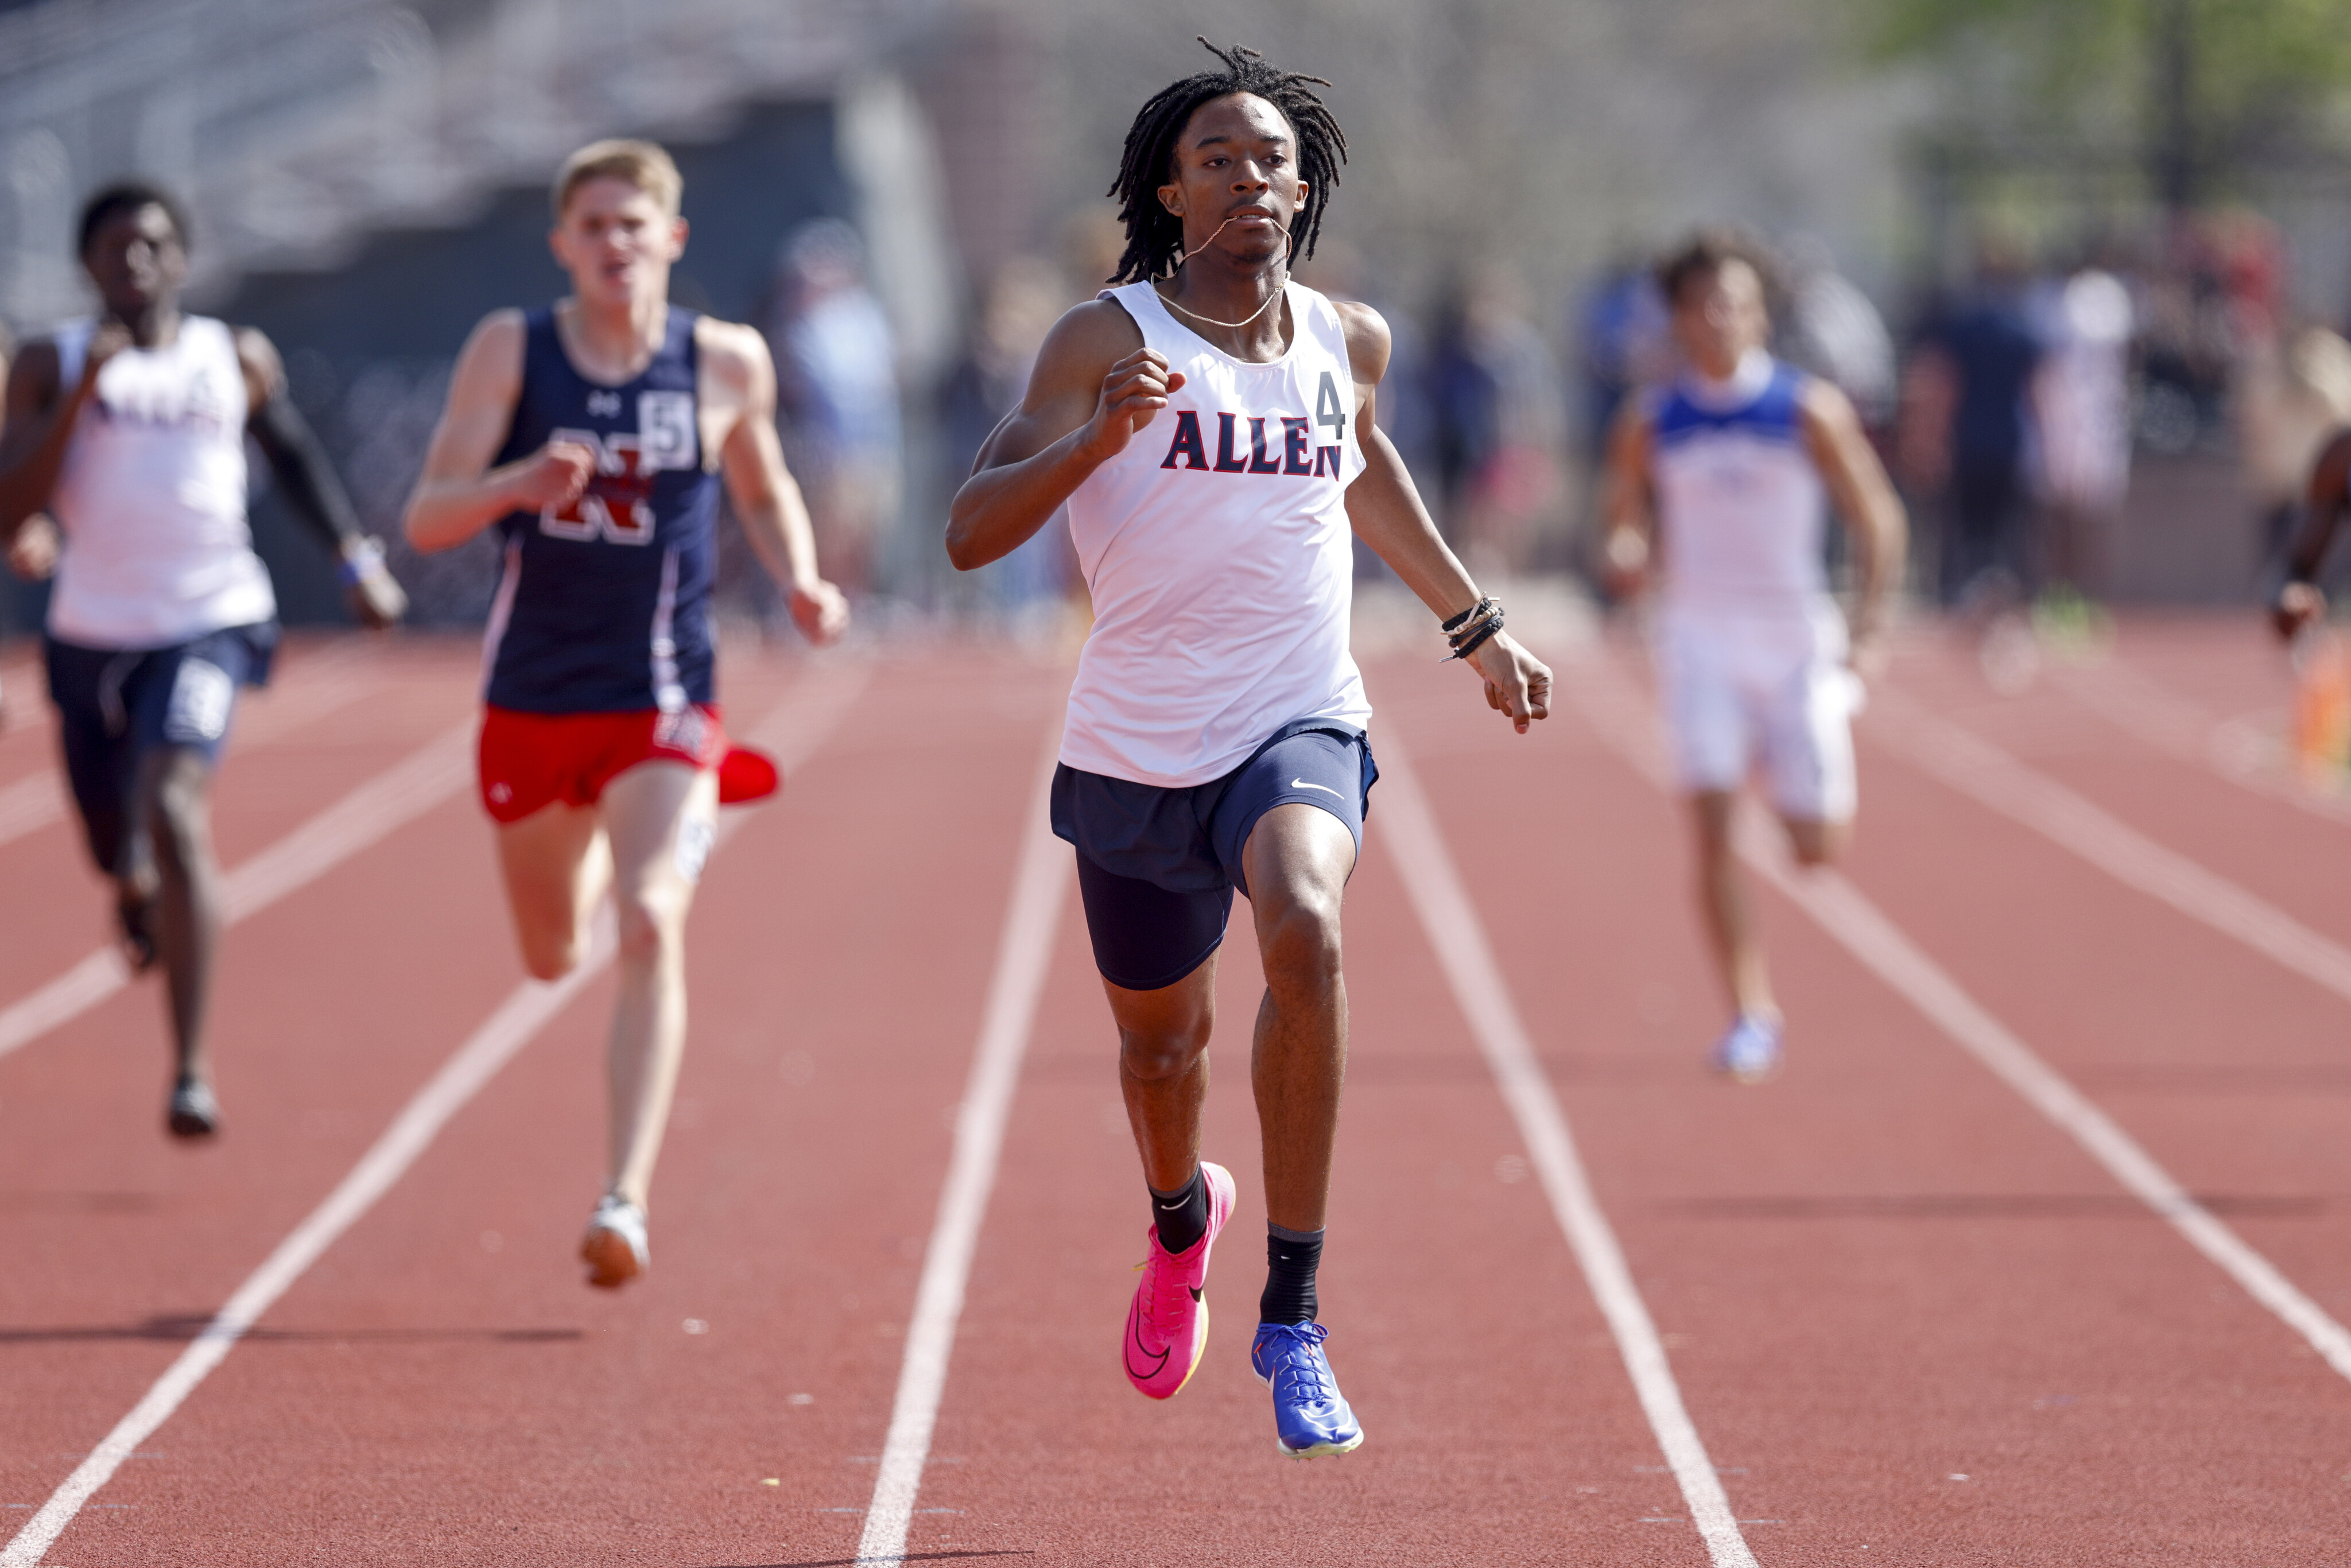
1470, 630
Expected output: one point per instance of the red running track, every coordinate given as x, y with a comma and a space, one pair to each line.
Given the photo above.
1873, 1277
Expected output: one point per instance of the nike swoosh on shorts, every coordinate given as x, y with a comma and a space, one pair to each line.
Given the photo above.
1302, 784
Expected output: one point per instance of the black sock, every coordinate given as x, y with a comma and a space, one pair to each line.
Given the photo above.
1292, 1258
1182, 1214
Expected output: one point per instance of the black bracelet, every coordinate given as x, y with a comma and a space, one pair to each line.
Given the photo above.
1469, 621
1486, 630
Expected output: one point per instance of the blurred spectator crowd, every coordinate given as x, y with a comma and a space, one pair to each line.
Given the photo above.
2011, 403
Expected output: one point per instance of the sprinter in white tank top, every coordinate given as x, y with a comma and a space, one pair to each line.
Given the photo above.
1727, 471
130, 429
1210, 428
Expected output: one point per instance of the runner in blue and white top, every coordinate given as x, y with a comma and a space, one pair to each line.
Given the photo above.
1731, 469
129, 429
1210, 427
594, 435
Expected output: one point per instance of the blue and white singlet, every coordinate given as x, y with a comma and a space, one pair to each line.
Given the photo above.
605, 605
1740, 506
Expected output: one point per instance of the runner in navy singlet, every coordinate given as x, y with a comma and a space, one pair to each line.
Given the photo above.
594, 434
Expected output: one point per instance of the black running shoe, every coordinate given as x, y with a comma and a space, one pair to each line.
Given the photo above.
194, 1113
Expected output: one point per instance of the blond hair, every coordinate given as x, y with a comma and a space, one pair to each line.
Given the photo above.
644, 165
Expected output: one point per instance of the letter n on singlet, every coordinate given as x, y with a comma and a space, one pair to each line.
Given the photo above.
1188, 442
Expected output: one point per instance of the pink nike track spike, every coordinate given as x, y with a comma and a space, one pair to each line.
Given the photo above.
1167, 1326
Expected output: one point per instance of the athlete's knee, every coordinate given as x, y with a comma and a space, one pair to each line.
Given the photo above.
551, 958
177, 819
651, 922
1819, 844
1299, 942
1164, 1051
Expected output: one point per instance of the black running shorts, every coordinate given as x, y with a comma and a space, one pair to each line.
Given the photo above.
1157, 868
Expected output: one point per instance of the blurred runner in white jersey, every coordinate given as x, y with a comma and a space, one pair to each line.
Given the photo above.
129, 427
1721, 480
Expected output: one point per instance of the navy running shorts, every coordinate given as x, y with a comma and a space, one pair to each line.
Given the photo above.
117, 705
1157, 868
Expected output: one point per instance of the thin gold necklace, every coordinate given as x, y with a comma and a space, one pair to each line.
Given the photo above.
1251, 318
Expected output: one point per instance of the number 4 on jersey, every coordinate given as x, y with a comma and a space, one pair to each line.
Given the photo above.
1328, 411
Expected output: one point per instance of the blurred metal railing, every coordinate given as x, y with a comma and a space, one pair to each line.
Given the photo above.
294, 127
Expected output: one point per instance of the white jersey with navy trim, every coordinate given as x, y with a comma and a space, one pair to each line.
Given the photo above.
1219, 555
151, 498
1740, 506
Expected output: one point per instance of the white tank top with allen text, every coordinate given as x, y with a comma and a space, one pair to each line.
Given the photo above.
152, 498
1219, 555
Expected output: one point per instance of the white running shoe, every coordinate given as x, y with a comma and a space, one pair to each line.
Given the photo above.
615, 1248
1749, 1052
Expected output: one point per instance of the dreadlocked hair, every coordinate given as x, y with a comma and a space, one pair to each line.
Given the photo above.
1155, 237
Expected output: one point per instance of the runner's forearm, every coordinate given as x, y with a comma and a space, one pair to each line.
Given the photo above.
444, 513
29, 467
999, 509
2321, 512
305, 474
1386, 514
781, 536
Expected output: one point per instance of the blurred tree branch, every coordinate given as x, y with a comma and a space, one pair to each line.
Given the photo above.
2204, 88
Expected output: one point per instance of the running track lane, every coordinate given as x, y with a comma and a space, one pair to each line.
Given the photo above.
547, 1422
346, 724
810, 713
1879, 1266
1500, 1427
1883, 1271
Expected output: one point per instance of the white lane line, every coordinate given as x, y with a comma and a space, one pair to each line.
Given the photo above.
38, 800
31, 803
476, 1062
1862, 929
793, 731
2023, 794
1483, 994
407, 789
2237, 749
1039, 888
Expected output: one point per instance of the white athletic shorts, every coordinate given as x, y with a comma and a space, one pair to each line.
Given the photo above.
1743, 691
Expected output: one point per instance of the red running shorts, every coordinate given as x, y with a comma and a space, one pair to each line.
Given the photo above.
530, 760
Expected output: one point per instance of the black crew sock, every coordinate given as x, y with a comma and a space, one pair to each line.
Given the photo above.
1182, 1214
1291, 1257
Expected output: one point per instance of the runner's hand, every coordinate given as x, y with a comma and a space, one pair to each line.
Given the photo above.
2297, 605
553, 477
109, 339
820, 610
34, 556
1135, 389
1517, 683
376, 598
1625, 563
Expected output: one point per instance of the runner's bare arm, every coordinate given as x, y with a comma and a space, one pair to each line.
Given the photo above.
306, 479
1866, 502
2300, 600
1093, 386
1630, 505
1386, 511
458, 495
39, 422
767, 499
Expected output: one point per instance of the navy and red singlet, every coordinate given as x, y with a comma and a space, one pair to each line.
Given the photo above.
605, 605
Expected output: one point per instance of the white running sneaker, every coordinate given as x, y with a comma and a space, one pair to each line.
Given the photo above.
1749, 1052
615, 1248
